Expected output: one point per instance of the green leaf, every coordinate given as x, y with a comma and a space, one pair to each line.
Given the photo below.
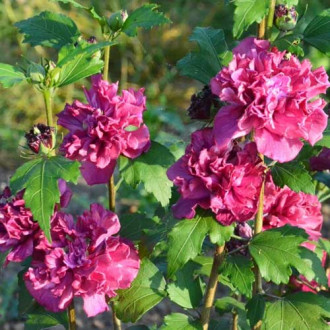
204, 63
218, 233
10, 75
255, 309
150, 168
238, 269
325, 141
294, 175
3, 256
317, 32
324, 244
49, 29
72, 2
70, 53
77, 63
178, 321
185, 242
145, 17
277, 250
146, 291
303, 311
39, 178
187, 290
39, 319
314, 266
25, 301
248, 12
134, 225
186, 239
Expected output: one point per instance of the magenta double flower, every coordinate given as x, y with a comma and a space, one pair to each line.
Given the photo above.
273, 94
108, 126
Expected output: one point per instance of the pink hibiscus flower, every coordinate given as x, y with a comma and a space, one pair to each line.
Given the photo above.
226, 180
109, 126
273, 95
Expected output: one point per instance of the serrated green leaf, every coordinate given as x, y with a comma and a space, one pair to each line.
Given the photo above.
303, 311
150, 169
73, 3
317, 32
205, 63
238, 269
255, 309
277, 250
218, 233
325, 141
39, 319
145, 17
76, 64
187, 289
39, 178
10, 75
146, 291
69, 53
49, 29
178, 321
185, 242
294, 175
248, 12
186, 239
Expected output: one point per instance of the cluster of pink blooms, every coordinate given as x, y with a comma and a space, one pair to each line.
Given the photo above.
274, 97
108, 126
272, 94
84, 259
226, 180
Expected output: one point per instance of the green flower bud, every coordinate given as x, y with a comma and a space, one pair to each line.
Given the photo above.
117, 20
36, 73
285, 18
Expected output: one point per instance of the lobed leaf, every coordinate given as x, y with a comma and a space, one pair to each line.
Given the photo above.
317, 32
146, 291
150, 169
238, 269
294, 175
39, 178
49, 29
204, 63
248, 12
145, 17
277, 250
303, 311
10, 75
187, 290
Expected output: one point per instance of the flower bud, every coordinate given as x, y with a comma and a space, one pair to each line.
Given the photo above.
285, 17
41, 138
201, 104
36, 73
117, 20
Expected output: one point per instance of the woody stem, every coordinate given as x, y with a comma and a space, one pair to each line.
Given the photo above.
212, 286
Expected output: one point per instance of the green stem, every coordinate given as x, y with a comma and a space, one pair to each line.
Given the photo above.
72, 317
47, 93
212, 286
106, 62
270, 17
